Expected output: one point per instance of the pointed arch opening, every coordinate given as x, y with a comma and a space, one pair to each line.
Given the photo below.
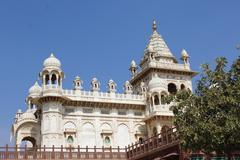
54, 79
70, 140
163, 96
182, 87
88, 137
47, 79
28, 141
156, 100
123, 136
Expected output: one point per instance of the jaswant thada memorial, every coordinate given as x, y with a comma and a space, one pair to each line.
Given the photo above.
71, 117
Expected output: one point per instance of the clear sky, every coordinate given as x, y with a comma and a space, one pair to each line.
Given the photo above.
99, 39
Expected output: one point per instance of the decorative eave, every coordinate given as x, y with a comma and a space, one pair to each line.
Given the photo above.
157, 117
106, 132
104, 105
145, 71
45, 99
70, 131
68, 102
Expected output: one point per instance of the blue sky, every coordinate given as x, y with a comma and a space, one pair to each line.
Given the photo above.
100, 38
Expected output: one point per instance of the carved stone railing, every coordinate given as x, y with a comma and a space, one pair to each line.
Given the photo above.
104, 96
163, 110
52, 89
57, 153
55, 90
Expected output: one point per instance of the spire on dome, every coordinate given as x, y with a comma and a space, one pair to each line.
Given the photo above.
133, 64
154, 26
157, 43
52, 55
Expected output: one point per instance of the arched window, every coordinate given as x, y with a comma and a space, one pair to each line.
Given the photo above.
144, 89
123, 136
47, 79
140, 140
156, 100
162, 99
172, 89
70, 139
151, 56
88, 135
163, 96
107, 141
182, 87
54, 79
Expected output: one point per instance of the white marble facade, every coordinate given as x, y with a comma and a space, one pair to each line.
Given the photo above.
56, 116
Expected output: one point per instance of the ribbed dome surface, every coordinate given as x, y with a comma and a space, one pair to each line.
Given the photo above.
52, 61
35, 89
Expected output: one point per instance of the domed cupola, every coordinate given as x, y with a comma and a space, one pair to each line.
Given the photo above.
185, 56
133, 68
35, 90
52, 74
52, 62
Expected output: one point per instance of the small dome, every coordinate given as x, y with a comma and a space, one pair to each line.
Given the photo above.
184, 53
77, 78
127, 82
155, 83
94, 79
133, 64
35, 89
52, 61
111, 81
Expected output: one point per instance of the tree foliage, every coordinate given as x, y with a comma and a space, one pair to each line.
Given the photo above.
209, 119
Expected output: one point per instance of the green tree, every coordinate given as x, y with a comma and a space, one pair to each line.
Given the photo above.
209, 119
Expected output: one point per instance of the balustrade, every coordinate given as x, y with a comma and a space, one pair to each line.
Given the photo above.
61, 153
103, 95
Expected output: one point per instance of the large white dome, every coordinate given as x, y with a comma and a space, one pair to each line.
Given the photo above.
52, 61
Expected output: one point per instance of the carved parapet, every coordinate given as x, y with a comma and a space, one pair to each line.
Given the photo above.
52, 90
